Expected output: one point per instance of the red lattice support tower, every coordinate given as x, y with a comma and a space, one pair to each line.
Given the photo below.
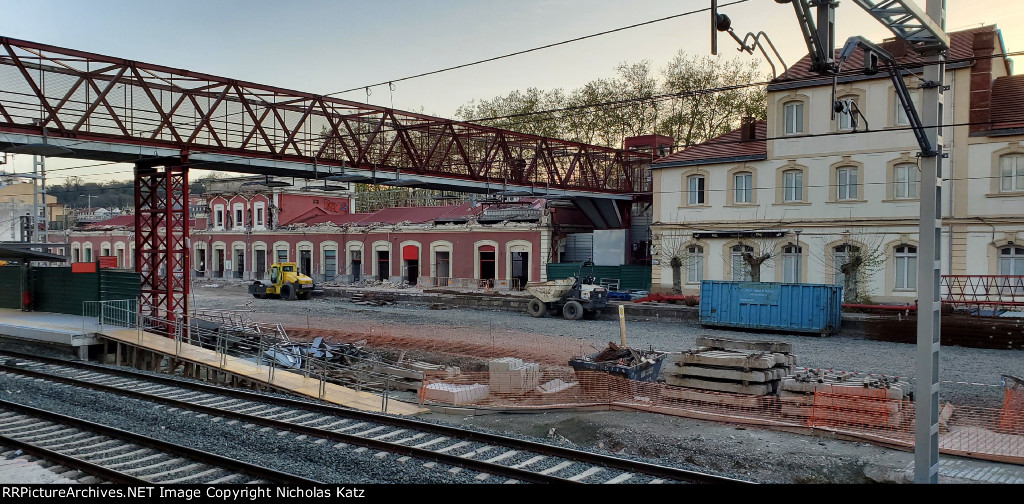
162, 236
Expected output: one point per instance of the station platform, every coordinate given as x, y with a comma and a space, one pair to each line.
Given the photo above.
80, 332
50, 328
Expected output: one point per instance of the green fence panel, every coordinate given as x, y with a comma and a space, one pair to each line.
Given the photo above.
119, 284
10, 286
58, 290
628, 277
634, 277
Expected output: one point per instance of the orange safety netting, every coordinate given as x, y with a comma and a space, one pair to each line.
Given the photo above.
882, 416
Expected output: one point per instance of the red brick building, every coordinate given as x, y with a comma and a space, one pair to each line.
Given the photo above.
508, 244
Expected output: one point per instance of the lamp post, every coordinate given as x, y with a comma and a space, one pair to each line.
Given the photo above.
90, 196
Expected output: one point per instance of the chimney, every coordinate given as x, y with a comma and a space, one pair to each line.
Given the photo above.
981, 81
748, 129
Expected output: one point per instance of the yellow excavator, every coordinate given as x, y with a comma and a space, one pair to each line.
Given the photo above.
285, 281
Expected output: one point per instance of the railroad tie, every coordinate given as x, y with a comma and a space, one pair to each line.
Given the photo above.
554, 469
586, 474
619, 479
532, 461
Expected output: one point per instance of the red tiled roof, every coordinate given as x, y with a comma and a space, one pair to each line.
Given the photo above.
119, 221
720, 149
961, 46
414, 215
1007, 109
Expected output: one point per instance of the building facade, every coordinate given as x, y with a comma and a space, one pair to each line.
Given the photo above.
241, 234
811, 196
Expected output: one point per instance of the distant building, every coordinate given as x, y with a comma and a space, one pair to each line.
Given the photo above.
843, 209
16, 202
504, 245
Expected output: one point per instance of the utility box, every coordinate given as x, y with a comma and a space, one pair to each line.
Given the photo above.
805, 308
610, 246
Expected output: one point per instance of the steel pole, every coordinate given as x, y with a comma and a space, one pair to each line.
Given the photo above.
926, 435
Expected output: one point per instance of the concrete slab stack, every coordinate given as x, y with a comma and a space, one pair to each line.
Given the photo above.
735, 366
509, 375
844, 398
457, 395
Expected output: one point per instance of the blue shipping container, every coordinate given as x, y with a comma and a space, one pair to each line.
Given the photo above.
811, 308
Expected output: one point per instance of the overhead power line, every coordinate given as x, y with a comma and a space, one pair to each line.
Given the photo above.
534, 49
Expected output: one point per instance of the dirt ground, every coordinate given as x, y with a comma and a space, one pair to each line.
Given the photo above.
468, 338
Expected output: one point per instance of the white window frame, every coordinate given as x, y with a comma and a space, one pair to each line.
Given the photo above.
793, 113
694, 264
846, 183
900, 118
905, 268
793, 190
1011, 173
218, 216
791, 255
743, 192
737, 262
696, 196
906, 181
259, 214
238, 214
844, 119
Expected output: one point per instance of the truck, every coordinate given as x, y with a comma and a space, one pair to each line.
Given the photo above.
285, 282
575, 297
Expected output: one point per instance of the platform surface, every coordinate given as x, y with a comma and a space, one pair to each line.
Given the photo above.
55, 328
281, 378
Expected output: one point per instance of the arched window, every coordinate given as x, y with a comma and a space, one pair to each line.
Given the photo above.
905, 268
1011, 173
740, 268
1011, 263
694, 264
847, 257
791, 263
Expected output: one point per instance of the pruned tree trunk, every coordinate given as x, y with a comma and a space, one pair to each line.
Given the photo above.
754, 263
677, 275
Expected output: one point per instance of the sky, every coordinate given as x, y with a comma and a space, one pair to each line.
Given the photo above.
325, 46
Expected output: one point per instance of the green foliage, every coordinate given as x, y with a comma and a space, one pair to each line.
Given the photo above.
634, 102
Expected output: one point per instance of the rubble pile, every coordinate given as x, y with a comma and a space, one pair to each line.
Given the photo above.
843, 396
741, 367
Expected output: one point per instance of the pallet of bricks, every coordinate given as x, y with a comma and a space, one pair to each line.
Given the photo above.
741, 367
826, 397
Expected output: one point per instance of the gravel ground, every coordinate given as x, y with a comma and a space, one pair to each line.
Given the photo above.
970, 376
320, 462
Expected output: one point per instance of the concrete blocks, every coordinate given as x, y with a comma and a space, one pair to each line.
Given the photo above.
509, 375
755, 346
556, 386
457, 395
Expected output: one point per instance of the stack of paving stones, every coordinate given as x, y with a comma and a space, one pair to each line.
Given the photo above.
455, 394
509, 375
843, 397
741, 367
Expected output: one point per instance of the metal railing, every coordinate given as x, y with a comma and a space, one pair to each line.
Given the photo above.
983, 291
265, 344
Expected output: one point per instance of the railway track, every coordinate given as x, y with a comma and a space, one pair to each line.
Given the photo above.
119, 456
488, 455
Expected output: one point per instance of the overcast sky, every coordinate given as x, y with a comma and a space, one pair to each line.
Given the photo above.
323, 46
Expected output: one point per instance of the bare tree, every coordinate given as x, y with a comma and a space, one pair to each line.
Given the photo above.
857, 257
675, 251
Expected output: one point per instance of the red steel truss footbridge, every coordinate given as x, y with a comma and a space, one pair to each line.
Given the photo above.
57, 101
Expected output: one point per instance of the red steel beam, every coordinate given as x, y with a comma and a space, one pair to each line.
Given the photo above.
196, 112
